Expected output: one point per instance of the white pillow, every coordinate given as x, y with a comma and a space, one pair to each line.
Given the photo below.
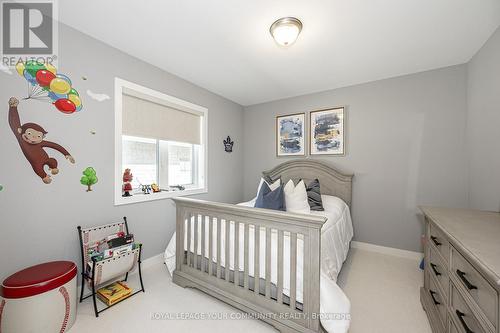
272, 186
296, 198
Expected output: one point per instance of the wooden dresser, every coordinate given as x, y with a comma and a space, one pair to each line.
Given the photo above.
462, 270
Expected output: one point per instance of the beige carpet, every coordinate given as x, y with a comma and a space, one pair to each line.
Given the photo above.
384, 292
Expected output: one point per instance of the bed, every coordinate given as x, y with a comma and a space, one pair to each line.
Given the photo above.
296, 257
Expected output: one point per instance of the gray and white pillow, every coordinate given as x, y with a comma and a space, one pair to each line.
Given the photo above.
314, 196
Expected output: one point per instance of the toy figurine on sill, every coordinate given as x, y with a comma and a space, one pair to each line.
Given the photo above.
146, 189
127, 186
155, 188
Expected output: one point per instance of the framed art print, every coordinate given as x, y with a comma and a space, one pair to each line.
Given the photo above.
290, 135
327, 132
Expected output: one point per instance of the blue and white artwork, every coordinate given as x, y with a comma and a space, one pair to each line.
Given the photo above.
290, 135
327, 132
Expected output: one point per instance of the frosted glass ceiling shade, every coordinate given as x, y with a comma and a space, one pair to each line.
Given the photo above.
286, 30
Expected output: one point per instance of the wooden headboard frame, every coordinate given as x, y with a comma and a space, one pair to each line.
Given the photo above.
332, 181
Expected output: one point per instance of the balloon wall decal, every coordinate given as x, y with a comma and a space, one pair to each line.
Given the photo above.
54, 97
33, 67
29, 78
64, 77
60, 86
20, 68
44, 77
46, 84
65, 105
75, 99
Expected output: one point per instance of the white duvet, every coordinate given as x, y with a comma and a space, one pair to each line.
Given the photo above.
336, 235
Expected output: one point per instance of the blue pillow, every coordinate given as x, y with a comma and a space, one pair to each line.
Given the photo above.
270, 199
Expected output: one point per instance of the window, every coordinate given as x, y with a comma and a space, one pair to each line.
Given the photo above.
180, 163
162, 140
165, 163
140, 156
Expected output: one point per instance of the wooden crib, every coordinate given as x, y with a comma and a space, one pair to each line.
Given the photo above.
261, 298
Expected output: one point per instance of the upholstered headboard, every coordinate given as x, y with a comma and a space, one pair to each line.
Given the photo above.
332, 181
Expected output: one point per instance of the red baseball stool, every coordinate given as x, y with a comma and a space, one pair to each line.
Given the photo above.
40, 298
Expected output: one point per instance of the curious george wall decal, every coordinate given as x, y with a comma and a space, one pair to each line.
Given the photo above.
31, 138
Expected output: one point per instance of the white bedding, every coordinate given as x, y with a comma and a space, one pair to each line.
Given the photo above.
336, 235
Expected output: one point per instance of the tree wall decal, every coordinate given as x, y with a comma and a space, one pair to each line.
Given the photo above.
89, 178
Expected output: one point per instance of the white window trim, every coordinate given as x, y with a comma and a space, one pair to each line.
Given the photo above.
123, 86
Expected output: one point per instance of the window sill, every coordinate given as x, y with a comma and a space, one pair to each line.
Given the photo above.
141, 197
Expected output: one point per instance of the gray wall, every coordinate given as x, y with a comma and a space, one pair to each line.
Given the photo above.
37, 221
405, 145
483, 126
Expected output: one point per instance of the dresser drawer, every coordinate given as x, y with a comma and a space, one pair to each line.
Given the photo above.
476, 286
439, 241
463, 315
438, 269
439, 300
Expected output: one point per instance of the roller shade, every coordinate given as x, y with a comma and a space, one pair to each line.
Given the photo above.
148, 119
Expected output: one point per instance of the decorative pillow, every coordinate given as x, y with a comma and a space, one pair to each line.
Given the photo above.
296, 198
270, 199
314, 196
271, 185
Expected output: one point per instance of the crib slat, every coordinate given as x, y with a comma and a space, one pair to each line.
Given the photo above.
219, 245
227, 256
236, 253
307, 260
311, 284
279, 291
179, 238
268, 262
256, 269
203, 221
245, 257
195, 252
189, 239
293, 270
210, 245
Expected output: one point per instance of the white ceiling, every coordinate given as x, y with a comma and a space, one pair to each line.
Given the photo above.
225, 45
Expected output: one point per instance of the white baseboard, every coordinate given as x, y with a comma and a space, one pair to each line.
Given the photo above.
153, 261
387, 250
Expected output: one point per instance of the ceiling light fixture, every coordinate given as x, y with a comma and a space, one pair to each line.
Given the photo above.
286, 30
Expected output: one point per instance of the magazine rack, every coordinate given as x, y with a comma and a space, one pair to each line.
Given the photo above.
107, 270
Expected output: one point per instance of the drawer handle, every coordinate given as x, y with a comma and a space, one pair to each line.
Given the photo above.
433, 266
434, 298
461, 316
462, 277
435, 241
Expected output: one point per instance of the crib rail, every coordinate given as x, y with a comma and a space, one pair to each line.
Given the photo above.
214, 253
